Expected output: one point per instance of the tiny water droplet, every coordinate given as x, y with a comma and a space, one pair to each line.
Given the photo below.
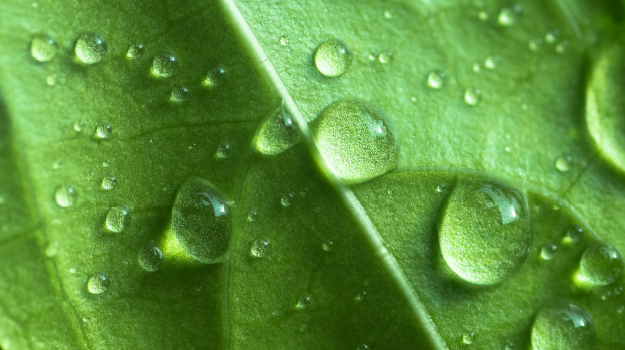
79, 125
562, 46
563, 163
98, 283
385, 57
223, 151
360, 296
327, 246
260, 247
535, 44
476, 67
215, 77
574, 234
491, 62
165, 65
251, 216
482, 15
601, 264
179, 94
56, 165
333, 58
284, 40
620, 310
303, 302
548, 251
72, 270
106, 163
104, 131
109, 182
472, 96
51, 80
362, 347
150, 258
552, 36
508, 17
440, 188
117, 219
135, 51
372, 56
91, 48
65, 196
510, 346
278, 133
468, 337
43, 48
436, 79
563, 325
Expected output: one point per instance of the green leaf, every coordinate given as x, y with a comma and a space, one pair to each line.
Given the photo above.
241, 174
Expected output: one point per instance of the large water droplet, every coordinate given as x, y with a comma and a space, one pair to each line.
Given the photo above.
436, 79
485, 234
98, 283
150, 258
563, 325
278, 133
165, 65
260, 248
333, 58
43, 48
215, 77
201, 221
117, 219
91, 48
601, 264
356, 140
65, 196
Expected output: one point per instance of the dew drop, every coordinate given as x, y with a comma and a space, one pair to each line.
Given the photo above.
467, 338
109, 182
201, 220
284, 40
150, 258
215, 77
508, 17
103, 131
535, 44
135, 51
278, 133
482, 15
303, 302
117, 219
52, 250
223, 151
362, 347
385, 57
91, 48
563, 325
356, 139
562, 46
472, 96
601, 264
333, 58
65, 196
485, 235
98, 283
491, 62
165, 65
574, 234
259, 248
43, 48
436, 79
179, 94
51, 80
476, 68
563, 163
552, 36
79, 125
548, 251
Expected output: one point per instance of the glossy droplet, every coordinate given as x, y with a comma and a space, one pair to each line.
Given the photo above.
485, 235
333, 58
150, 258
436, 79
179, 94
43, 48
548, 251
356, 139
303, 302
286, 200
385, 57
117, 219
65, 196
601, 264
476, 68
563, 325
259, 248
135, 51
51, 80
472, 96
574, 234
467, 338
104, 131
79, 125
215, 77
284, 40
278, 133
563, 163
223, 151
491, 62
109, 182
508, 17
165, 65
98, 283
552, 36
201, 220
91, 48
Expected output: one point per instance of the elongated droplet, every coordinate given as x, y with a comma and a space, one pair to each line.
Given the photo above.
278, 133
485, 234
601, 264
43, 48
165, 65
333, 58
259, 248
65, 196
563, 325
356, 140
201, 220
91, 48
117, 219
98, 283
150, 258
215, 77
436, 79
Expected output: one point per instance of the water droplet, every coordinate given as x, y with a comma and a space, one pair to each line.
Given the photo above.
548, 251
372, 56
278, 133
476, 68
65, 196
436, 79
260, 248
601, 264
333, 58
251, 216
103, 131
150, 258
286, 200
215, 77
385, 57
563, 163
562, 46
51, 80
472, 96
135, 51
179, 94
201, 221
485, 234
303, 302
563, 325
574, 234
508, 17
327, 246
56, 165
43, 48
482, 15
362, 347
491, 62
223, 151
79, 125
98, 283
109, 182
165, 65
467, 338
117, 219
360, 296
284, 40
552, 36
72, 270
91, 48
106, 163
356, 139
535, 44
52, 250
388, 14
440, 188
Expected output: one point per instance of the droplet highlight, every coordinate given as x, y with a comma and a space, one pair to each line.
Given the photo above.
103, 131
179, 94
548, 251
135, 51
109, 182
563, 163
333, 58
278, 133
215, 77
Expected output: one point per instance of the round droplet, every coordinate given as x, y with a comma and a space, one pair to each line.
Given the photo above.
385, 57
65, 196
201, 221
117, 219
43, 48
574, 234
535, 44
104, 131
333, 58
467, 338
109, 182
601, 264
436, 79
303, 302
223, 151
562, 46
563, 325
472, 96
563, 163
259, 248
491, 62
51, 80
508, 17
356, 139
179, 94
98, 283
548, 251
485, 234
135, 51
165, 65
91, 48
552, 36
150, 258
284, 40
482, 15
215, 77
278, 133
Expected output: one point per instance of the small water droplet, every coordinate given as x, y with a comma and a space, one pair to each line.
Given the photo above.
98, 283
303, 302
215, 77
278, 133
388, 14
601, 264
251, 216
372, 56
535, 44
472, 96
72, 270
56, 165
223, 151
43, 48
135, 51
106, 163
165, 65
552, 36
91, 48
362, 347
508, 16
482, 15
620, 310
109, 182
79, 125
491, 62
468, 337
476, 68
179, 94
574, 234
563, 325
440, 188
548, 251
287, 199
563, 163
510, 346
260, 247
436, 79
333, 58
385, 57
104, 131
65, 196
360, 296
117, 219
150, 258
284, 40
562, 46
51, 80
327, 246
